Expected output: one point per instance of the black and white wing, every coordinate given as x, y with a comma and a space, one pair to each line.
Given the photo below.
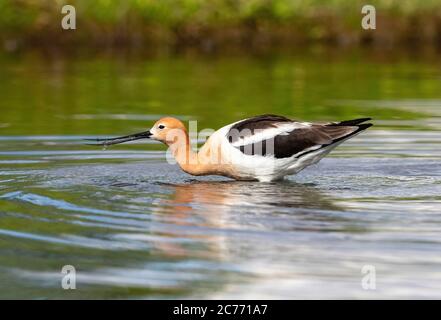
272, 135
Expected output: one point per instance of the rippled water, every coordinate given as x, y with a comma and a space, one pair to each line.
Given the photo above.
135, 226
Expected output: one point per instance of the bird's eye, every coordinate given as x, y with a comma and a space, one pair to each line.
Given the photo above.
161, 126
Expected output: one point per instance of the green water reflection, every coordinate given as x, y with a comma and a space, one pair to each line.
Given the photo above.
43, 95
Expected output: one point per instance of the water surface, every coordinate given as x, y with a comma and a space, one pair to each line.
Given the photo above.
135, 226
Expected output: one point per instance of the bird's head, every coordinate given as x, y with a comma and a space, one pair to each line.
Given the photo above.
167, 130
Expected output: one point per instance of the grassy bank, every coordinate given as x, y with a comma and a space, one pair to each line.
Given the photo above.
209, 24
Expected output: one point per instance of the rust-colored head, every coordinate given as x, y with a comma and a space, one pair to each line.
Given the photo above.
167, 130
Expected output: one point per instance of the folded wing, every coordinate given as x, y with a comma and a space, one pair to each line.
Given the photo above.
280, 137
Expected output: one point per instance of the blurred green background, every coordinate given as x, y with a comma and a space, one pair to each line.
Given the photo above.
129, 62
215, 24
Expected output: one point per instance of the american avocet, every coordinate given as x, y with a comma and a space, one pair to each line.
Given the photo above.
263, 148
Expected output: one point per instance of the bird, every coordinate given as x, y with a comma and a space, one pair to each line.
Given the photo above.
263, 148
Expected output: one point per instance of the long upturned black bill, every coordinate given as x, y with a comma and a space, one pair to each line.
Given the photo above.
117, 140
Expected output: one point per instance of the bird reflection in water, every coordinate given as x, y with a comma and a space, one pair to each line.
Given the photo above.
212, 211
216, 201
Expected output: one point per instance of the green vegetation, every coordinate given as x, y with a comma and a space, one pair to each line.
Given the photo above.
209, 23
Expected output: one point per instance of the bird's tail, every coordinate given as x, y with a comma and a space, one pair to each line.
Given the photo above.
350, 123
354, 122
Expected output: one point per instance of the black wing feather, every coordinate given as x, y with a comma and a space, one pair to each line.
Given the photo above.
260, 122
298, 140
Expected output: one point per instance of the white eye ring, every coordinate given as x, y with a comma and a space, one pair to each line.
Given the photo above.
161, 126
